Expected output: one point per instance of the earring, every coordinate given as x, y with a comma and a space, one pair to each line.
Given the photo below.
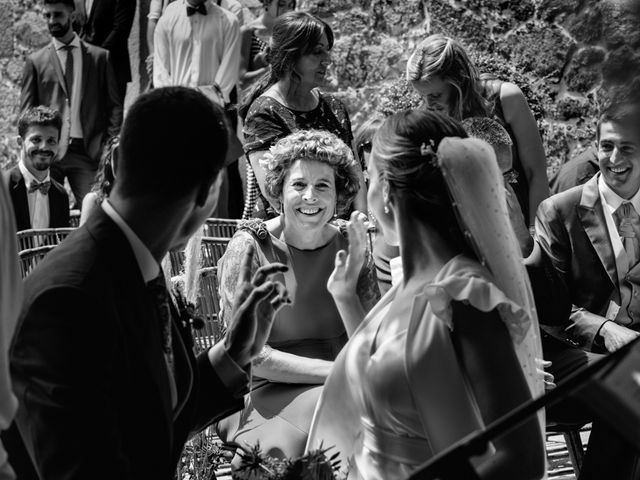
386, 209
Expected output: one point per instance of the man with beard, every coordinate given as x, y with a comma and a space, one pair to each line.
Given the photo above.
38, 200
76, 79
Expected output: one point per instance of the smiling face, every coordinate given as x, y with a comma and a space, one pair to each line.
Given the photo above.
58, 17
619, 155
436, 92
39, 147
309, 194
312, 67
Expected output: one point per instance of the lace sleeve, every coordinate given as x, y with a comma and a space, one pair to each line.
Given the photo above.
229, 271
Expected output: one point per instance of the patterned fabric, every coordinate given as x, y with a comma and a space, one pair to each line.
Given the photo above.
268, 121
628, 223
157, 288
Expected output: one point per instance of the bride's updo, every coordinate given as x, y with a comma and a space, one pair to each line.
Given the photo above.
405, 151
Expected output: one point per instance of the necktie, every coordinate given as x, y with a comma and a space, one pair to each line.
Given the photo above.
68, 70
191, 9
157, 288
628, 223
42, 186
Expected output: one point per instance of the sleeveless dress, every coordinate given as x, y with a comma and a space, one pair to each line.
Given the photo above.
380, 402
278, 415
491, 90
268, 121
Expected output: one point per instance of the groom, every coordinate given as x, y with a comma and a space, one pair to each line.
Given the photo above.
101, 362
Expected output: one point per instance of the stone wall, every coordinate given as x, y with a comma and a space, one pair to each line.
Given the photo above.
562, 53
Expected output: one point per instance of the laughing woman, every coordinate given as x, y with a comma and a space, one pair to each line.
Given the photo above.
310, 178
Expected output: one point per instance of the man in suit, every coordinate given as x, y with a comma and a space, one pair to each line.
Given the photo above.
38, 200
76, 79
101, 361
576, 171
591, 233
108, 25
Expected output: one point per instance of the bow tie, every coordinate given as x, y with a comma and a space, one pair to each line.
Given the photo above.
43, 187
197, 9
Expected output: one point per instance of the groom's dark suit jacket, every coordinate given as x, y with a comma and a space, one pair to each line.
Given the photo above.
89, 371
58, 201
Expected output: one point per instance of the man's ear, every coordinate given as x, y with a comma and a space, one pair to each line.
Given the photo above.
19, 141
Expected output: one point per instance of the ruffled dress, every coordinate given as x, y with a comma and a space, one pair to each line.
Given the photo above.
381, 403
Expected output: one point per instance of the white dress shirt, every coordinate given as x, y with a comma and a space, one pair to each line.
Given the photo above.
231, 374
197, 50
38, 201
76, 89
88, 4
611, 201
157, 7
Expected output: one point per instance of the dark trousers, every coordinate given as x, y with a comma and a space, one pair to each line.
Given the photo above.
608, 455
78, 168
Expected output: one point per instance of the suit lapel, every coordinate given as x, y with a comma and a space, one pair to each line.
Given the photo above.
20, 202
183, 361
591, 216
85, 77
55, 61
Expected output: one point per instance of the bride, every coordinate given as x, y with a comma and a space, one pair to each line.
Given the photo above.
450, 348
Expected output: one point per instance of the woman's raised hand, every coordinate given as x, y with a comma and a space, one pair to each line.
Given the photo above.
344, 279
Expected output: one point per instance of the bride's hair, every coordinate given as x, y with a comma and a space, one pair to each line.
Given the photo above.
405, 148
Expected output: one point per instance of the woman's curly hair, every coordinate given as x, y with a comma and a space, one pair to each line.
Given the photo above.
318, 145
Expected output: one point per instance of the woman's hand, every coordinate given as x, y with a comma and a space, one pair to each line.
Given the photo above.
344, 279
547, 378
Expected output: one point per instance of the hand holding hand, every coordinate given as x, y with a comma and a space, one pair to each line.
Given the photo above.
344, 278
616, 336
257, 301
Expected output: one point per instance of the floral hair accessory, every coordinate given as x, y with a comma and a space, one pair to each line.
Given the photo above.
268, 160
428, 149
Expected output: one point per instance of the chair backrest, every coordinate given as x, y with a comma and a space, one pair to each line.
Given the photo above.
208, 308
74, 217
220, 227
30, 257
212, 250
33, 238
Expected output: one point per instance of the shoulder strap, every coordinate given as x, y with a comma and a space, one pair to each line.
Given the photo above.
258, 230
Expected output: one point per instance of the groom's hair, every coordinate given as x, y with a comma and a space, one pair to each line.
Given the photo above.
172, 141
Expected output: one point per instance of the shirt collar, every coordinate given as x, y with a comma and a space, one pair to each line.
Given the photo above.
149, 267
75, 42
612, 199
28, 176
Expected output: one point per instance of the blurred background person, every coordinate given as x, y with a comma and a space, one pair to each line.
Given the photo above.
443, 74
287, 98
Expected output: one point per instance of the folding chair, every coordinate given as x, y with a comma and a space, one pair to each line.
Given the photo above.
573, 441
33, 238
30, 257
220, 227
